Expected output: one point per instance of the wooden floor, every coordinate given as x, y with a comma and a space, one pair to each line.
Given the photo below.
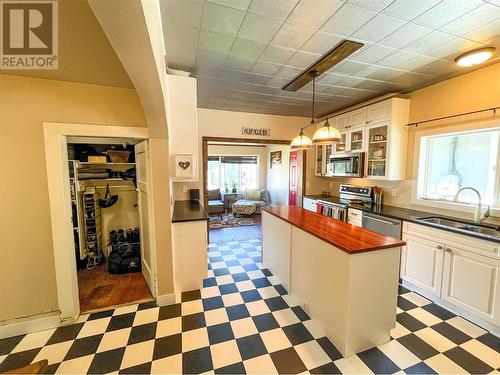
99, 289
242, 233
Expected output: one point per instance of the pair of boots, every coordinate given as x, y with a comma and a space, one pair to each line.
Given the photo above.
120, 236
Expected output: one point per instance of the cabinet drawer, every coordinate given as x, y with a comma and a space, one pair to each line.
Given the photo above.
352, 213
356, 222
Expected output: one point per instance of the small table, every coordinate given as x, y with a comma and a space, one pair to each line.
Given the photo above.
229, 199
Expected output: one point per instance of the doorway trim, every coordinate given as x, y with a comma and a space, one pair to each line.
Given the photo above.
204, 146
56, 156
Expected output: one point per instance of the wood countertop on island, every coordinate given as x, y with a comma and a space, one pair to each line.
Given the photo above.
346, 237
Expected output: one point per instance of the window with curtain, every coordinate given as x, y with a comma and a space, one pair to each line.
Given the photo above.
225, 170
452, 161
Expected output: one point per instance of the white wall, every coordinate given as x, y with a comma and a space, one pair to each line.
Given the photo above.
216, 123
277, 178
259, 151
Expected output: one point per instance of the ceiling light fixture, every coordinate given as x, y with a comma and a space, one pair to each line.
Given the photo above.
327, 134
475, 57
324, 63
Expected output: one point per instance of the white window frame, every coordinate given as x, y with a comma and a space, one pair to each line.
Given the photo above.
239, 179
417, 182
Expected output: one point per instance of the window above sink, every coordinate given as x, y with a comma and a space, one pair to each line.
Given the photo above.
450, 161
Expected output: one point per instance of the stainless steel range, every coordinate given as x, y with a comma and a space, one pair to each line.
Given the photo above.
348, 194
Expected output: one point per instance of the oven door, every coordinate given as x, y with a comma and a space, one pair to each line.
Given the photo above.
348, 165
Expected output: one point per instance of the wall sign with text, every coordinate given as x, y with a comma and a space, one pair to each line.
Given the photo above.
255, 131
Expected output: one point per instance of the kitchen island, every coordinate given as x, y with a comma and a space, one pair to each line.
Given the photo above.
345, 277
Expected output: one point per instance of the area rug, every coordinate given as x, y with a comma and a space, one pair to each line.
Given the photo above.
229, 221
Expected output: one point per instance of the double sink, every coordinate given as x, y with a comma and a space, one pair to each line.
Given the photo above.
459, 226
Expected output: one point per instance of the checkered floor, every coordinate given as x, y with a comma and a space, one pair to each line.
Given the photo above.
242, 321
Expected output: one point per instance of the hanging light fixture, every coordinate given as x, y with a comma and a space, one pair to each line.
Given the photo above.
301, 142
327, 134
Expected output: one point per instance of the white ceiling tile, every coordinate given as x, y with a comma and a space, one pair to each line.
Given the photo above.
277, 82
208, 58
409, 9
277, 55
321, 42
181, 12
438, 68
288, 72
313, 13
276, 9
472, 20
485, 33
331, 79
291, 36
239, 63
417, 62
235, 4
396, 59
221, 19
263, 67
348, 67
247, 48
347, 20
303, 59
378, 27
453, 48
429, 41
368, 71
258, 28
181, 50
376, 5
445, 12
373, 53
405, 35
385, 74
215, 42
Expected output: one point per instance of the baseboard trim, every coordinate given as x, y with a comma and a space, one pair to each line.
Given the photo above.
33, 323
166, 299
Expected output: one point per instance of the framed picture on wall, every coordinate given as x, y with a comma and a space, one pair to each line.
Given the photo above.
183, 165
275, 159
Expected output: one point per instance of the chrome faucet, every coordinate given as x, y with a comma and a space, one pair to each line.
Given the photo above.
478, 215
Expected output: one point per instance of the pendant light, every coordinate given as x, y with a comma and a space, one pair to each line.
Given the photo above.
327, 134
301, 142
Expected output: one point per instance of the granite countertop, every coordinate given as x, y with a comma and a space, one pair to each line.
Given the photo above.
343, 236
410, 215
188, 211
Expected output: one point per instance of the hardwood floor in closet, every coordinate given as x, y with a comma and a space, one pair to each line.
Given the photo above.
99, 289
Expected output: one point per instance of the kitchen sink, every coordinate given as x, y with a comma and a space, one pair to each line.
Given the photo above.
492, 232
442, 222
460, 226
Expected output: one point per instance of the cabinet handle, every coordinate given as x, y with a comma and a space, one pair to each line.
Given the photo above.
448, 250
439, 247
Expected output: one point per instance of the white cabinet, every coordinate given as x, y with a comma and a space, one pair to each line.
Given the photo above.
422, 263
471, 282
355, 217
309, 204
353, 140
358, 117
461, 271
183, 128
378, 112
379, 130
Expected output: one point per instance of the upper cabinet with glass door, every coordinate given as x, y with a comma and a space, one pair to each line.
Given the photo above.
379, 130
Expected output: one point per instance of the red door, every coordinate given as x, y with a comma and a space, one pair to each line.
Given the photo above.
292, 189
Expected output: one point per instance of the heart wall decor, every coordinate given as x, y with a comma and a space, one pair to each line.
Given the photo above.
184, 164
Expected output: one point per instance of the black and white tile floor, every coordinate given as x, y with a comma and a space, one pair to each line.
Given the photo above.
242, 321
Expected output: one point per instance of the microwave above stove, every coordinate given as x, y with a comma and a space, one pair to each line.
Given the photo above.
347, 165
